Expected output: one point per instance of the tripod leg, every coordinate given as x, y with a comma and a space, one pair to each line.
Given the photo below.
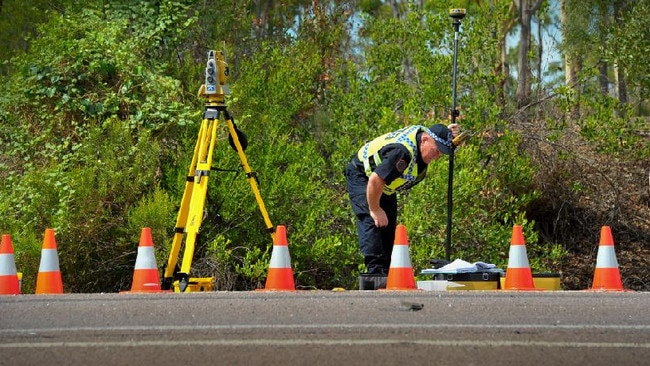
181, 219
249, 174
190, 215
197, 203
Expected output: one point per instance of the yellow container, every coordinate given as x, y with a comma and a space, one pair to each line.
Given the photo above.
481, 281
197, 285
542, 281
473, 285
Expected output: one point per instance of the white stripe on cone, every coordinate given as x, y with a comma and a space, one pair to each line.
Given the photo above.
280, 257
400, 257
606, 257
146, 258
49, 261
7, 265
518, 257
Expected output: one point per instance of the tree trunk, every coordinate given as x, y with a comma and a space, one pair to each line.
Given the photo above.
396, 8
522, 59
603, 80
540, 52
525, 12
400, 11
619, 72
603, 65
502, 68
572, 58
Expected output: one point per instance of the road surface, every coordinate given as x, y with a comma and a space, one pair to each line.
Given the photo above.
327, 328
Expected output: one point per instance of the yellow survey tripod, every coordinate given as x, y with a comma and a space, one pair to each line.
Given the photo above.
191, 212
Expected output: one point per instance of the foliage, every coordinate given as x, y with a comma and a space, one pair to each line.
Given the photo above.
80, 115
628, 43
100, 117
18, 23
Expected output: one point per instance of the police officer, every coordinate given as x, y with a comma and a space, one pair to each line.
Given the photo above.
382, 167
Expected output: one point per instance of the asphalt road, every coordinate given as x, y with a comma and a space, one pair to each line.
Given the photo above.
327, 328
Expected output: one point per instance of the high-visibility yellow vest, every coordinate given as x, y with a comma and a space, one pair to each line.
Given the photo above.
369, 156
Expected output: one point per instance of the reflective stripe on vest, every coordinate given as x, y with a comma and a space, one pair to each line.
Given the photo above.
369, 155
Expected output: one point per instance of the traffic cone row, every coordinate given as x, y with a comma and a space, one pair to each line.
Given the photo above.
48, 281
49, 275
607, 276
280, 275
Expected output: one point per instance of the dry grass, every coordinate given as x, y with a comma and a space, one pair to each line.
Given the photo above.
583, 190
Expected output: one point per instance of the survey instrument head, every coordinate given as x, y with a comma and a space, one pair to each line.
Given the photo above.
216, 74
457, 13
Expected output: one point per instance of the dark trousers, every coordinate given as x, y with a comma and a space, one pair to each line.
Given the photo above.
376, 244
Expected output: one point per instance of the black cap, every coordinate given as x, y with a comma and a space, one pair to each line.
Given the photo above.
442, 136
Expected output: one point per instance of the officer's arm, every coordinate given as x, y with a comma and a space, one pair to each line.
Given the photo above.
374, 191
373, 194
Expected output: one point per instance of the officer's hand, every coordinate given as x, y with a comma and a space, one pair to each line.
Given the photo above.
455, 129
380, 217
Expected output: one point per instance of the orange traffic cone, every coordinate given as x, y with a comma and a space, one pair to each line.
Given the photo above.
49, 280
145, 275
518, 274
400, 273
9, 284
607, 276
280, 276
